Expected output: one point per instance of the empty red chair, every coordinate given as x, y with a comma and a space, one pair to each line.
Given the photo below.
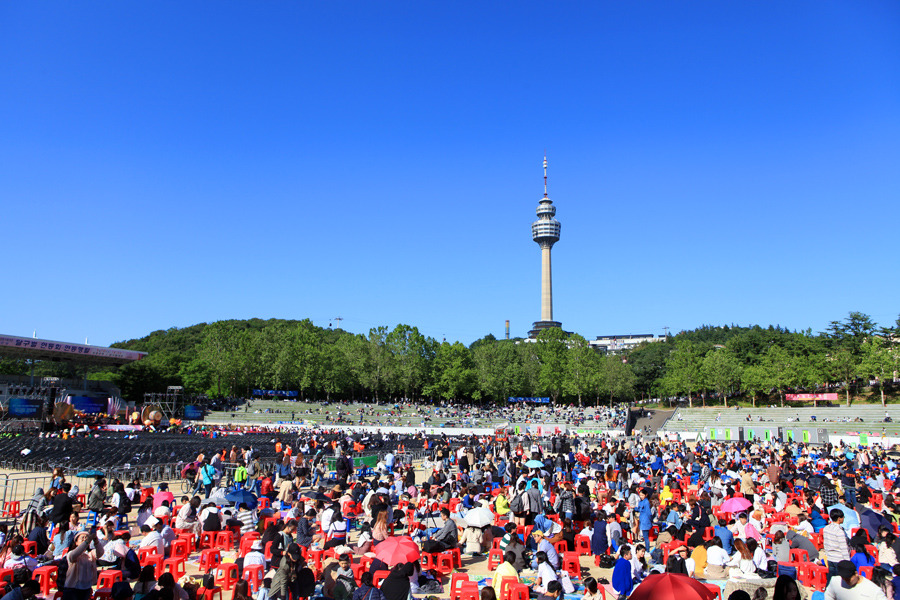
561, 546
867, 572
156, 561
207, 540
519, 591
254, 576
569, 563
378, 577
180, 549
456, 581
30, 548
175, 566
582, 545
505, 584
145, 552
224, 541
6, 575
228, 576
468, 590
210, 559
714, 589
11, 509
107, 578
495, 558
46, 578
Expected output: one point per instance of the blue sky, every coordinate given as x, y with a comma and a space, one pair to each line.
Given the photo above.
169, 163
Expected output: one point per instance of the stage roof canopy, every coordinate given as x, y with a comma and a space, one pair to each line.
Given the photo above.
35, 349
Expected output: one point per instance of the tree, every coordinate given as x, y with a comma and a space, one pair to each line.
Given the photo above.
851, 332
844, 365
551, 349
499, 371
583, 367
776, 364
453, 373
618, 377
720, 370
682, 371
876, 360
219, 350
411, 354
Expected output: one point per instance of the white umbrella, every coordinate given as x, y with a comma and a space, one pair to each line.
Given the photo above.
479, 517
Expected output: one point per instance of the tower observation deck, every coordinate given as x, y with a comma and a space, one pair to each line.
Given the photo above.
545, 232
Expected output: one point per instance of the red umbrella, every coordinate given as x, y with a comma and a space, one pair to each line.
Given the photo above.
396, 550
671, 586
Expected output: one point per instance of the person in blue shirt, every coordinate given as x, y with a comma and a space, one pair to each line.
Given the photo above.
599, 542
645, 511
622, 580
727, 538
861, 557
817, 521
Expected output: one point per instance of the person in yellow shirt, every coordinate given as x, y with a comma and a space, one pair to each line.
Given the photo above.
506, 569
501, 504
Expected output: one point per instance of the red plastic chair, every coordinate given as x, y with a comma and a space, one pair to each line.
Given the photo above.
582, 545
180, 549
569, 562
108, 577
207, 540
175, 566
228, 576
799, 555
224, 541
867, 572
30, 548
456, 581
714, 589
210, 559
46, 578
378, 577
254, 576
495, 559
156, 561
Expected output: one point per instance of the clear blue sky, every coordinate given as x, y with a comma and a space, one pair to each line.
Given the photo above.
169, 163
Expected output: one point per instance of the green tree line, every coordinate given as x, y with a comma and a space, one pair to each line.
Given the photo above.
708, 364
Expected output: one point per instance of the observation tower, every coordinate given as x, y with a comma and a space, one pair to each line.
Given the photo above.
545, 232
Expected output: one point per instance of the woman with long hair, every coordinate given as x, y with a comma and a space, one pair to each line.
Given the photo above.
742, 561
380, 531
242, 590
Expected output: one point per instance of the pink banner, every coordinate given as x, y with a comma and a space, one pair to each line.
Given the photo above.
805, 397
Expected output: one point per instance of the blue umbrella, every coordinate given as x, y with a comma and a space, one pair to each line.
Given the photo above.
93, 473
851, 519
534, 464
241, 497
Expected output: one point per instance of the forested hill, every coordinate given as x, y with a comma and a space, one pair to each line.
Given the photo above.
233, 357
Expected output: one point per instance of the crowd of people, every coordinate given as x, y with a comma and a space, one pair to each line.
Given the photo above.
752, 514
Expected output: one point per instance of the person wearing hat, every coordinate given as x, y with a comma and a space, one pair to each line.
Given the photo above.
544, 545
81, 573
152, 529
254, 557
848, 585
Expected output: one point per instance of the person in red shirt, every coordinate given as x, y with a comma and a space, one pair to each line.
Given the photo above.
266, 488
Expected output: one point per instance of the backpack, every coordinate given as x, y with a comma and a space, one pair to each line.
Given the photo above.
344, 588
517, 504
131, 566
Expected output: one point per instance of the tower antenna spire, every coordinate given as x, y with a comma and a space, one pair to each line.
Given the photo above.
545, 174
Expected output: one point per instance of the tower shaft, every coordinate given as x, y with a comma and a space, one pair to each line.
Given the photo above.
546, 285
